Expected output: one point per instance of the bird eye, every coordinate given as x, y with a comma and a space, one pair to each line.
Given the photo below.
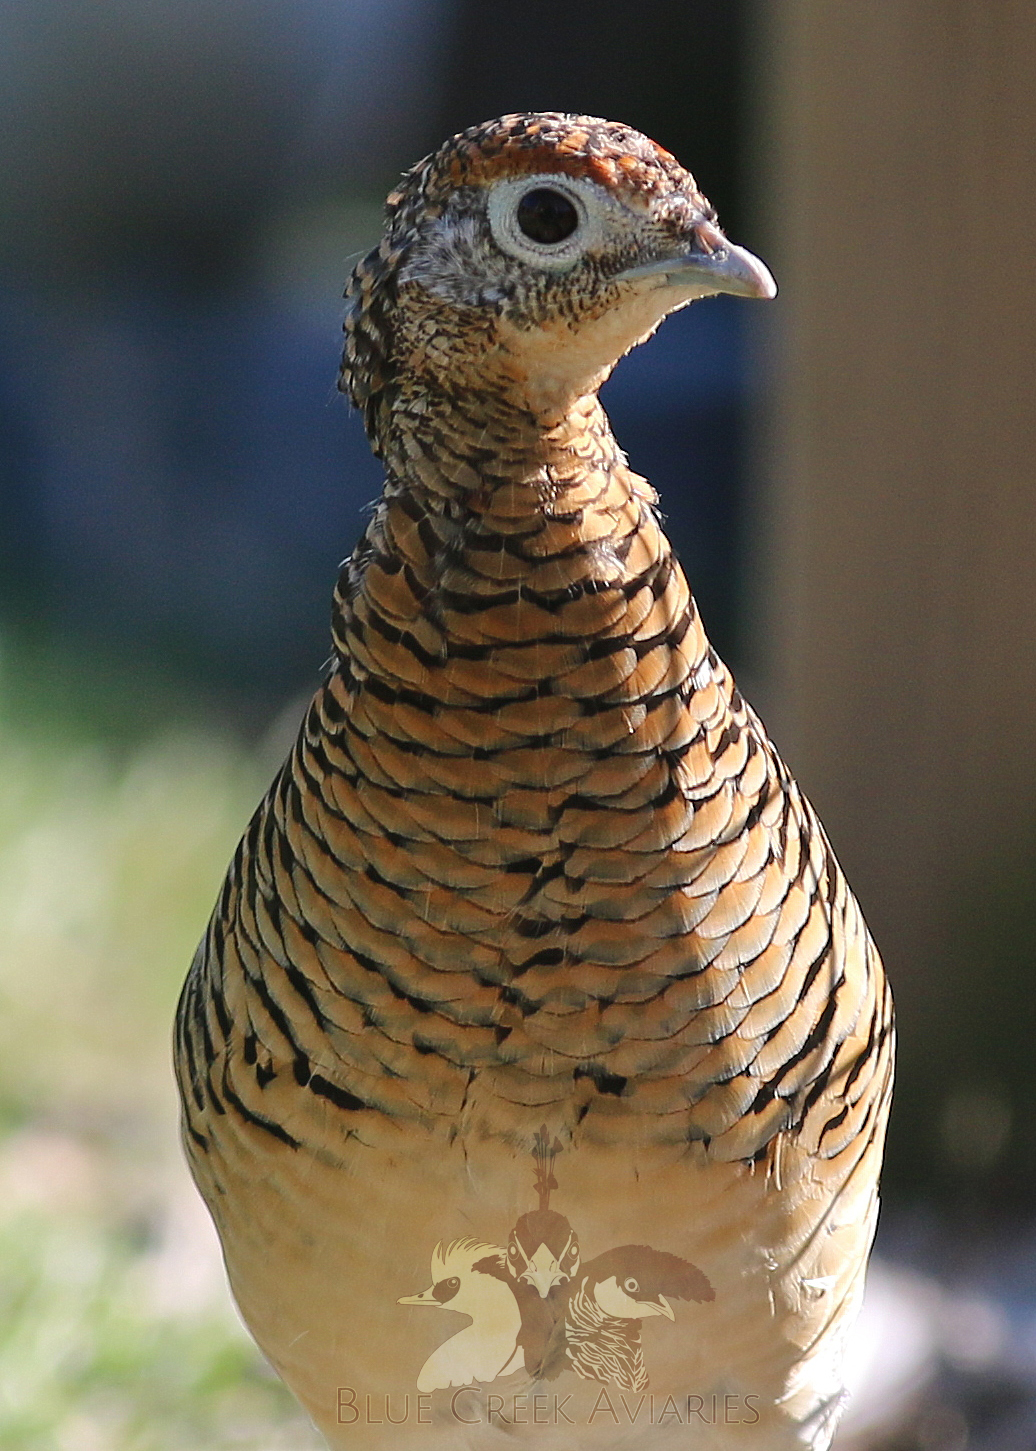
546, 216
446, 1289
630, 1285
546, 222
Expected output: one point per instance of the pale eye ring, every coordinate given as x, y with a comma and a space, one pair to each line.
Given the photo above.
630, 1285
547, 221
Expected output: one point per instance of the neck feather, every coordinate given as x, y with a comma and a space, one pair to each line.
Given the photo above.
466, 444
510, 560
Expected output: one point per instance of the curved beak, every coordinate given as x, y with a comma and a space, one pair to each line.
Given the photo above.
661, 1306
543, 1272
543, 1278
424, 1298
712, 265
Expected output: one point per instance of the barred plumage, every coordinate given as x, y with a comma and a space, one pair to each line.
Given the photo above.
601, 1349
533, 860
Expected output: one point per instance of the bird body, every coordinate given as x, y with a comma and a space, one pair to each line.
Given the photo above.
533, 863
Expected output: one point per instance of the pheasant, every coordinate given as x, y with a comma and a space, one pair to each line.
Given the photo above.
533, 867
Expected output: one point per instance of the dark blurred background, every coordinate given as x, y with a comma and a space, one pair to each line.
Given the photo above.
184, 186
847, 475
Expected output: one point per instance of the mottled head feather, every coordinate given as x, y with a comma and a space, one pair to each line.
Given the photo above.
613, 155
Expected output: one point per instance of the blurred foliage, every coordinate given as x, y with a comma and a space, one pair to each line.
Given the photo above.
116, 1332
88, 1367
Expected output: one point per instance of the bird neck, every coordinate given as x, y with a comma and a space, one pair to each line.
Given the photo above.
466, 445
502, 545
515, 586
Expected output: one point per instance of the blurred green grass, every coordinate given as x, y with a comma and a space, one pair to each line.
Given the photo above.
116, 1330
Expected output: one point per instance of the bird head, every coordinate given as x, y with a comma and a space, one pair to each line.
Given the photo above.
634, 1281
456, 1284
526, 256
542, 1251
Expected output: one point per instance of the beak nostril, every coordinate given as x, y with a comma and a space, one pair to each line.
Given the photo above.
708, 237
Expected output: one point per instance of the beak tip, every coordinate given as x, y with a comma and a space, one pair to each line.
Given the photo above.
748, 275
767, 286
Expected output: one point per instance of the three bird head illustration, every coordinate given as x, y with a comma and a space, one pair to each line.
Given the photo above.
536, 1307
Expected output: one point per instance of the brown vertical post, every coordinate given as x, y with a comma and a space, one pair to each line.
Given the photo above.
898, 610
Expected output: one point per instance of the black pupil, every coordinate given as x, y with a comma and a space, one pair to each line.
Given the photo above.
547, 216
